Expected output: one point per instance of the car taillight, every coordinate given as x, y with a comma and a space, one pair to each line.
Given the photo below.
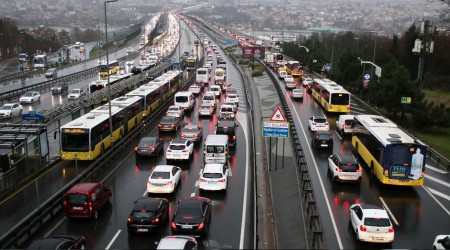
182, 135
90, 205
169, 150
195, 135
160, 125
173, 225
169, 183
391, 229
362, 228
326, 123
203, 180
65, 203
234, 137
184, 150
149, 183
136, 148
172, 125
343, 125
152, 148
358, 170
221, 180
130, 219
201, 226
155, 220
339, 169
313, 123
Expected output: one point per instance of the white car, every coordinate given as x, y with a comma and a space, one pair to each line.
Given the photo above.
30, 97
344, 124
10, 110
129, 63
226, 109
175, 111
442, 242
307, 81
206, 109
371, 223
344, 168
76, 93
129, 50
297, 93
180, 150
216, 89
232, 98
234, 105
214, 177
318, 123
195, 89
174, 242
209, 97
163, 179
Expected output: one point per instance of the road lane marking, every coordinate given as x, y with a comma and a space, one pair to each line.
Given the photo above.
437, 180
338, 237
436, 169
338, 135
389, 211
113, 239
244, 205
54, 228
435, 192
197, 183
192, 194
439, 203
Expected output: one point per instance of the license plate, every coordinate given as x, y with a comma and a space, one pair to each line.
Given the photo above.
377, 238
158, 184
144, 150
77, 208
186, 226
142, 230
176, 155
212, 182
324, 145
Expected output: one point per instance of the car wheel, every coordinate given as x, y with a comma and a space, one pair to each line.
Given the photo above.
39, 99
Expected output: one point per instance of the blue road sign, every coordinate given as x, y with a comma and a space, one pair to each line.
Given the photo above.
276, 129
229, 43
33, 116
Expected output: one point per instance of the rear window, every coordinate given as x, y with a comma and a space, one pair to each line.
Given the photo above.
176, 147
181, 99
77, 199
377, 222
349, 167
232, 96
348, 122
160, 175
323, 136
320, 120
208, 97
201, 72
225, 131
146, 143
143, 214
215, 149
213, 175
227, 109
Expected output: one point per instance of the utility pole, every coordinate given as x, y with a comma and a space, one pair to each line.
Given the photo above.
422, 46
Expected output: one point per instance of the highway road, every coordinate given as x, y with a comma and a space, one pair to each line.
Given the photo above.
418, 213
128, 180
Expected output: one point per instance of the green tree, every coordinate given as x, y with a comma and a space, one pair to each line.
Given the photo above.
349, 67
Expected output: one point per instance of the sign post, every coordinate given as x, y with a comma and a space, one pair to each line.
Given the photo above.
277, 127
404, 101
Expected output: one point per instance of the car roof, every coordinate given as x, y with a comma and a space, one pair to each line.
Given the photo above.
374, 211
174, 242
213, 168
178, 141
147, 204
319, 117
346, 158
191, 126
163, 168
83, 187
51, 242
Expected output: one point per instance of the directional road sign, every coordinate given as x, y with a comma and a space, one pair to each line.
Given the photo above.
33, 116
276, 129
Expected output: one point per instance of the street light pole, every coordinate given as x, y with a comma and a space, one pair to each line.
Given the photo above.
179, 43
109, 85
99, 37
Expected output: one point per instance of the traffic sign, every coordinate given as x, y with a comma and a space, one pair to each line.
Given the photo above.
33, 116
277, 116
229, 43
367, 76
406, 100
276, 129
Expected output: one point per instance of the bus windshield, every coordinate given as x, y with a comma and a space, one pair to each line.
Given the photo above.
75, 142
340, 99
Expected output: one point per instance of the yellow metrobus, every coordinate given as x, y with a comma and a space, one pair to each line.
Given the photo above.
331, 96
105, 69
393, 157
86, 137
133, 109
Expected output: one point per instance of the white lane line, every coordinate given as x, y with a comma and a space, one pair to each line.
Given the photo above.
389, 211
230, 172
197, 183
436, 169
438, 202
118, 165
338, 135
192, 194
56, 226
113, 239
437, 180
442, 195
145, 193
244, 203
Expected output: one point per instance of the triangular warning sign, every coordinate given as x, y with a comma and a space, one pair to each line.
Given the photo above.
278, 116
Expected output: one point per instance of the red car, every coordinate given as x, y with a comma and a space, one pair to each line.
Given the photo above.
84, 200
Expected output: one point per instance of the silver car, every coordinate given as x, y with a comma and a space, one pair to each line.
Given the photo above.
192, 132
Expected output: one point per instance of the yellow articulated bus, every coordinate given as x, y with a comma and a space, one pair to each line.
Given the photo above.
111, 69
332, 97
393, 157
86, 137
133, 110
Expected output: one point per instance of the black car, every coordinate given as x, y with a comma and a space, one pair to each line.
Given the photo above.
149, 146
322, 139
192, 216
136, 70
148, 215
59, 242
169, 123
60, 87
226, 117
227, 128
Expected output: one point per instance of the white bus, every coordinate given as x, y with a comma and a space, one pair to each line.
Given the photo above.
40, 61
202, 75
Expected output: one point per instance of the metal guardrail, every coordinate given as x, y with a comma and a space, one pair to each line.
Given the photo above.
24, 230
311, 211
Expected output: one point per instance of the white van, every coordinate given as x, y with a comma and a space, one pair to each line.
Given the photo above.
184, 99
344, 124
216, 89
219, 75
202, 75
216, 149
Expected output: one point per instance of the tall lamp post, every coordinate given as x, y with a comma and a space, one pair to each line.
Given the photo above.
306, 49
109, 85
179, 43
99, 37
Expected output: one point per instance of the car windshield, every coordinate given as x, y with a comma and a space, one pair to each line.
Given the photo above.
212, 175
205, 107
75, 91
232, 96
58, 85
28, 94
190, 130
77, 199
176, 147
181, 99
297, 91
226, 109
377, 222
5, 107
215, 149
174, 109
160, 175
143, 214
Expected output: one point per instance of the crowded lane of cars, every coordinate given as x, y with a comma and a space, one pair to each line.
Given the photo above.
356, 209
147, 174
